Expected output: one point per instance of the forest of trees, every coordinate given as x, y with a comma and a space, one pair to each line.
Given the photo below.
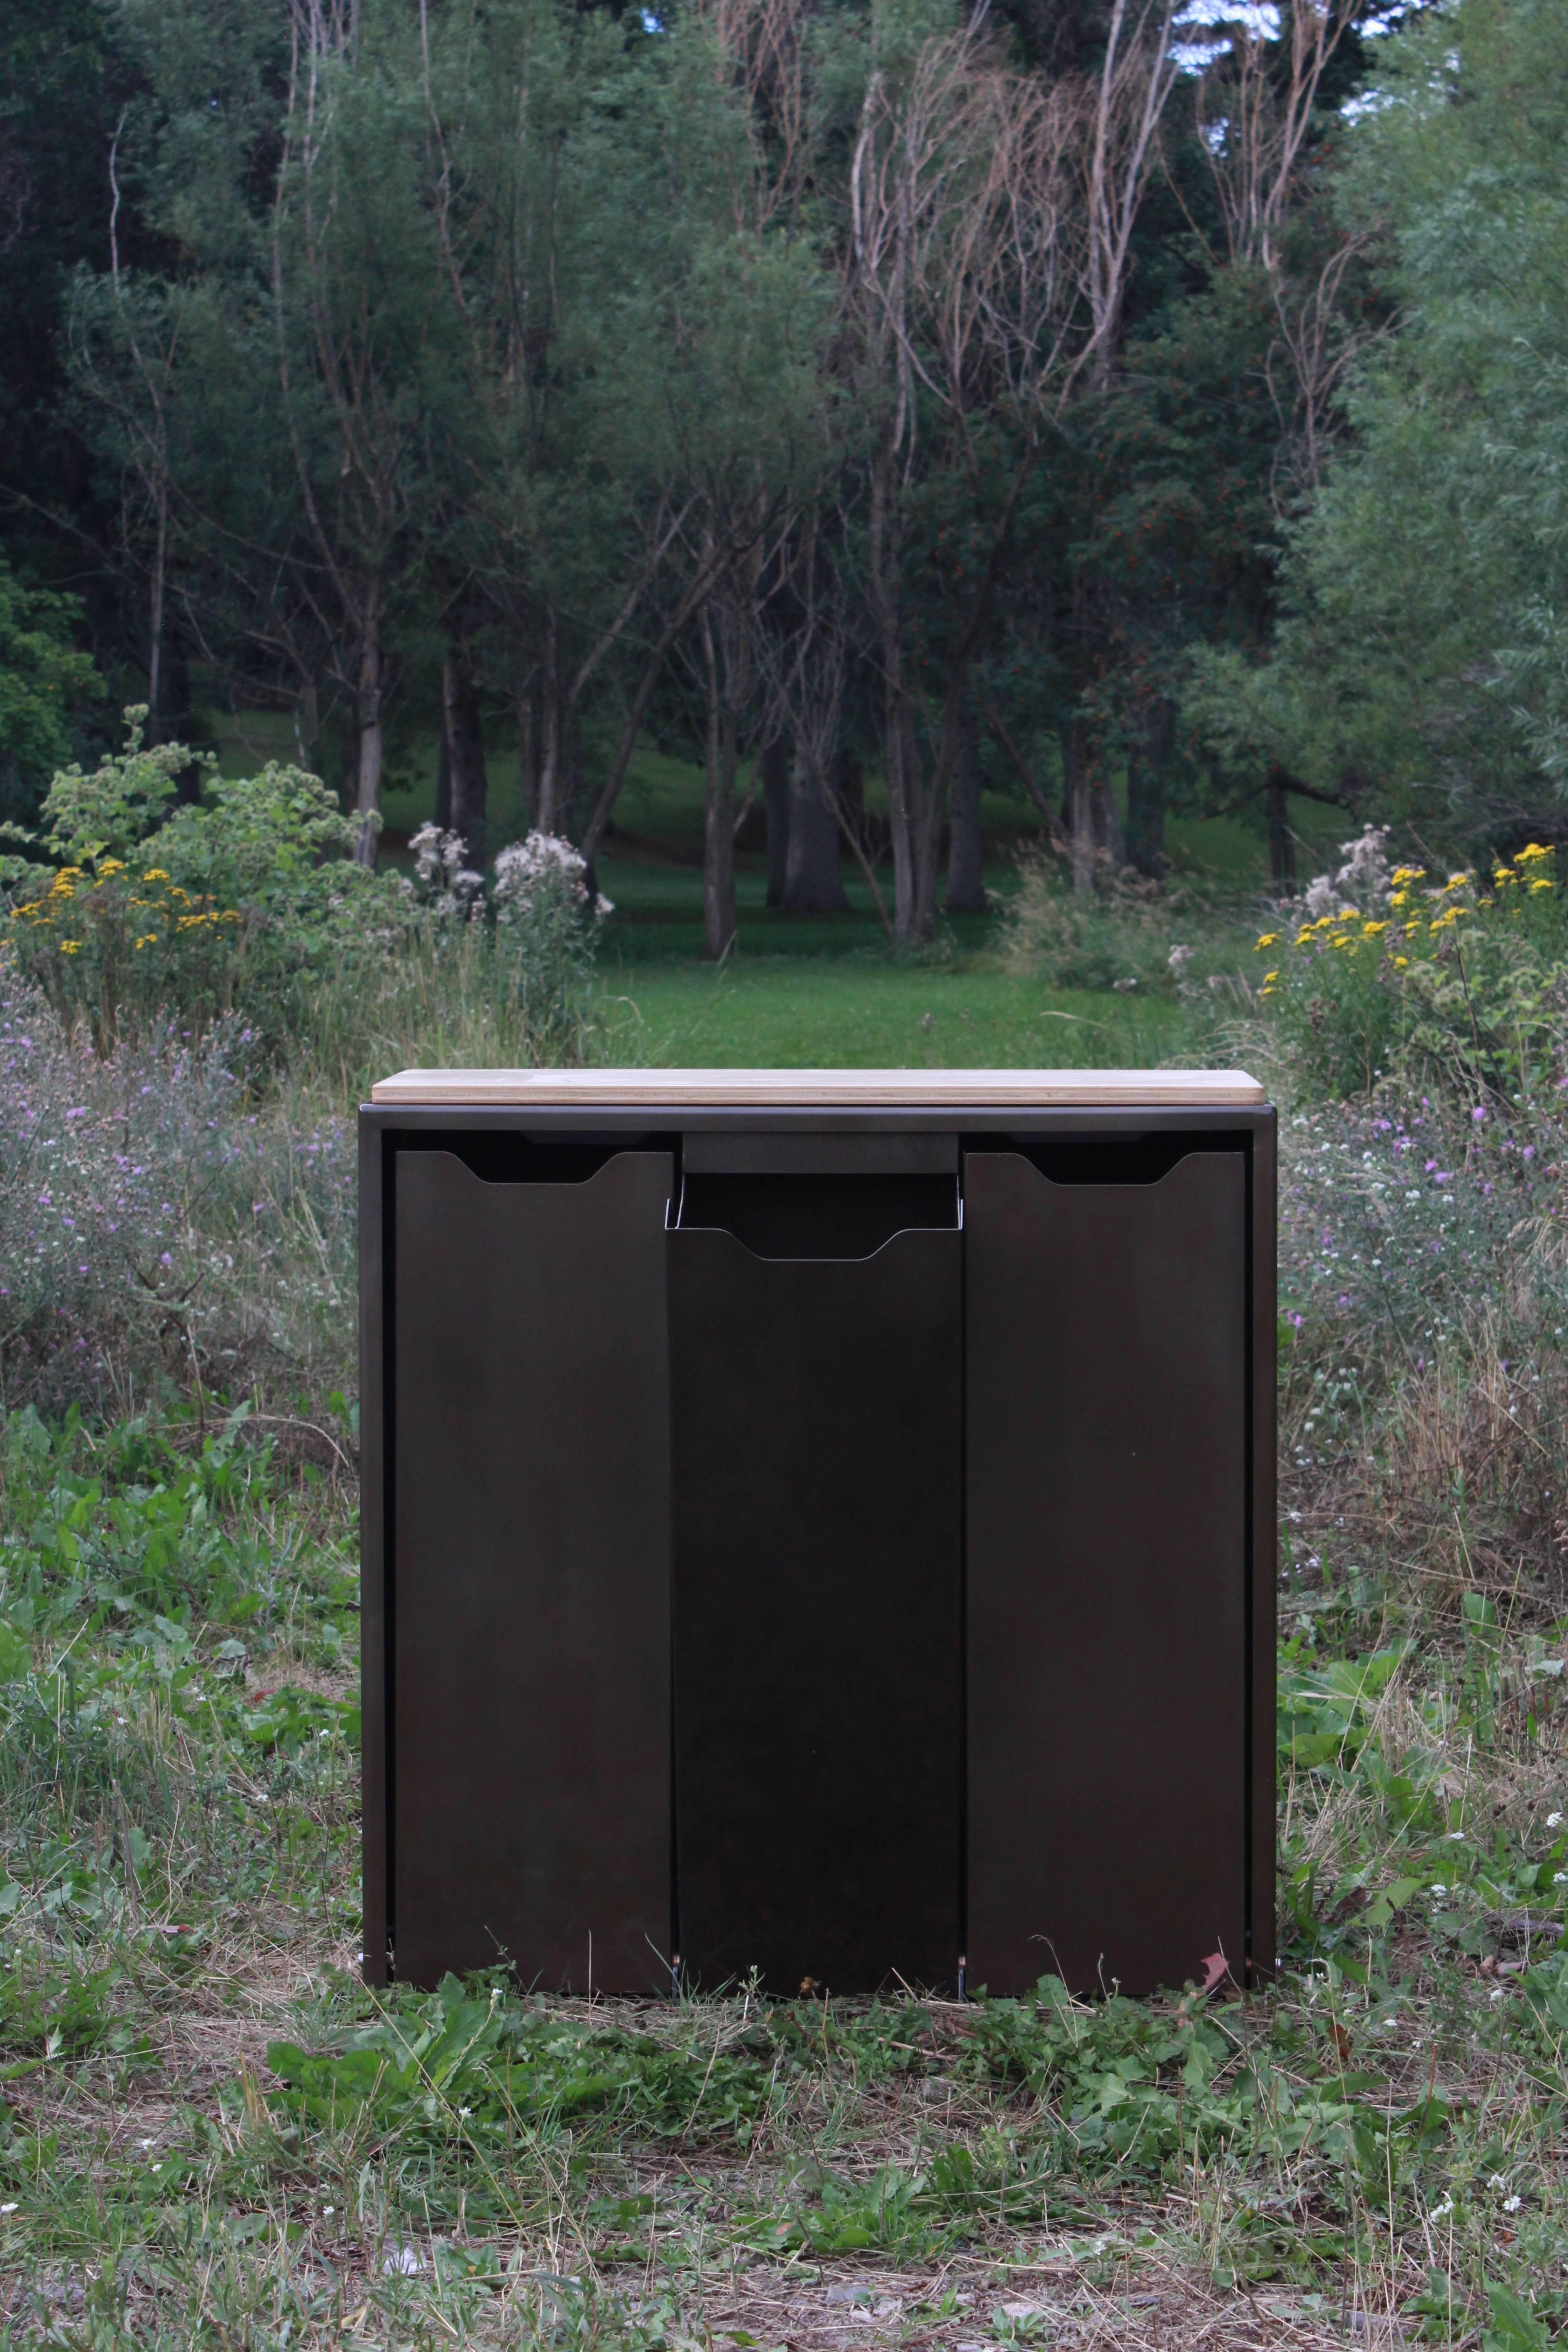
1125, 404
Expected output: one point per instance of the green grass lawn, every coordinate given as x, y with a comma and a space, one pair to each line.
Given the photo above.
865, 1010
214, 2135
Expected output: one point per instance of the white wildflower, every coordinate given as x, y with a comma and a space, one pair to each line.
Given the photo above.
523, 869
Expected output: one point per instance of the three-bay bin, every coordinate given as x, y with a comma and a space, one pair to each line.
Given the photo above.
818, 1523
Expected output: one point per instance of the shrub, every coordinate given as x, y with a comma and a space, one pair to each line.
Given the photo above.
236, 904
151, 1227
1119, 937
476, 981
247, 906
1462, 981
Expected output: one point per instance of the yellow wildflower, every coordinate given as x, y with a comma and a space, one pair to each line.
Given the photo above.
1530, 852
1502, 873
1398, 898
111, 865
1400, 963
1371, 930
148, 940
154, 874
1408, 874
1456, 881
1269, 978
1541, 883
1266, 939
69, 947
1340, 939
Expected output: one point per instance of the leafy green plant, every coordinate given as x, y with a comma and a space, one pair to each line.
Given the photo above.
1464, 981
152, 915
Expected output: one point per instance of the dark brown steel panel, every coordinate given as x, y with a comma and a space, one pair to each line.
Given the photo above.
1265, 1582
371, 1543
530, 1716
1107, 1416
817, 1490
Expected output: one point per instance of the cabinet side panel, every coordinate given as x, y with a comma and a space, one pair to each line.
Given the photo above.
531, 1545
1265, 1544
373, 1549
817, 1491
1106, 1451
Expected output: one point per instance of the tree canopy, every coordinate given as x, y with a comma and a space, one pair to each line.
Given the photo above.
1126, 404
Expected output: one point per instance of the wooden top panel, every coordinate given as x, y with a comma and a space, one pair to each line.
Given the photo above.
823, 1089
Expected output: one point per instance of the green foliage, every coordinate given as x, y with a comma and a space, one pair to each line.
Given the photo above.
1462, 983
244, 912
43, 680
481, 2066
1424, 650
231, 904
1121, 940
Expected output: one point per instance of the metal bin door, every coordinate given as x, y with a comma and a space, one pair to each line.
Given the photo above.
1106, 1564
815, 1405
530, 1703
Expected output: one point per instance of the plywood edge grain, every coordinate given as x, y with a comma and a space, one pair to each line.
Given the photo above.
820, 1089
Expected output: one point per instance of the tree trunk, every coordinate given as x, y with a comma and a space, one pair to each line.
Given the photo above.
900, 749
569, 787
155, 622
718, 843
849, 792
1281, 839
903, 758
775, 807
529, 729
367, 797
1146, 794
442, 814
965, 863
176, 716
812, 883
1093, 828
925, 832
466, 744
308, 724
549, 802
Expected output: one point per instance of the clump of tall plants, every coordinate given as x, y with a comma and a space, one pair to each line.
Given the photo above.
133, 914
1458, 979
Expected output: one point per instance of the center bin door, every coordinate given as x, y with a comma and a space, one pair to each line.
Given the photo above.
815, 1317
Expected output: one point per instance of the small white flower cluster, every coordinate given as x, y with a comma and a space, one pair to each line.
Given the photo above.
452, 889
1361, 884
544, 861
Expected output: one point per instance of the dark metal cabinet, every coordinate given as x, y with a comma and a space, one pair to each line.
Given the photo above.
819, 1524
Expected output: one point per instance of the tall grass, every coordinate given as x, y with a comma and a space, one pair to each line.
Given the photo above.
452, 996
